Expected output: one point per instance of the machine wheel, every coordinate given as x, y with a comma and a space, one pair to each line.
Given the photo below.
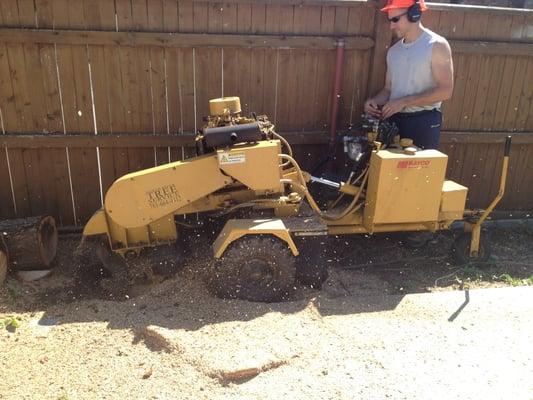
311, 266
115, 278
254, 268
461, 249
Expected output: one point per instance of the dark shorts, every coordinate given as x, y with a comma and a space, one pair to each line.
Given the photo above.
422, 126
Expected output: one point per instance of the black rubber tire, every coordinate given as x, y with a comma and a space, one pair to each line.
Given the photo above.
311, 264
88, 267
461, 249
255, 268
97, 266
115, 281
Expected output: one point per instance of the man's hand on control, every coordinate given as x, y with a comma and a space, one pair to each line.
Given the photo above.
392, 107
372, 108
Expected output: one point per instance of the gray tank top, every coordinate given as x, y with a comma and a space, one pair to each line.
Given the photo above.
409, 68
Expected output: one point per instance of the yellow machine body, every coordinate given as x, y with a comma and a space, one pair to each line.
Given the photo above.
140, 207
140, 198
255, 166
406, 188
453, 201
405, 192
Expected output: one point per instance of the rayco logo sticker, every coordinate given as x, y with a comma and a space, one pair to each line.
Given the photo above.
409, 164
163, 196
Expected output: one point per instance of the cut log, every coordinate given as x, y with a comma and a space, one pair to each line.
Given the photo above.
4, 258
31, 242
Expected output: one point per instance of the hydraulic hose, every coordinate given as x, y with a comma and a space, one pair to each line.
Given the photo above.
353, 205
303, 188
285, 143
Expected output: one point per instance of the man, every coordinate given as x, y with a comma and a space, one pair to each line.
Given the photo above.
419, 76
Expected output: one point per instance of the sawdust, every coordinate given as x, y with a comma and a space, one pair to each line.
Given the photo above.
175, 340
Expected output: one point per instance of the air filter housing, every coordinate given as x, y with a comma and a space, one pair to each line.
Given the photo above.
224, 105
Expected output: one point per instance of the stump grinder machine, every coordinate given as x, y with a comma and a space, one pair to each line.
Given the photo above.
245, 173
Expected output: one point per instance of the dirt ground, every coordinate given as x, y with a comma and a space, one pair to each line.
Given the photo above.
61, 340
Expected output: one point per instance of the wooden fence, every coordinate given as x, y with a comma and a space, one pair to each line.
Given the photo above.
78, 78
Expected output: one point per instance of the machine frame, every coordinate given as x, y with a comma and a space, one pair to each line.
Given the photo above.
241, 165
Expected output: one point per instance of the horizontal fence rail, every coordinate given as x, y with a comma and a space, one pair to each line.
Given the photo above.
188, 140
182, 40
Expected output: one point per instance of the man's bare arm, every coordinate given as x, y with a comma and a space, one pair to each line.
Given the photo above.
442, 69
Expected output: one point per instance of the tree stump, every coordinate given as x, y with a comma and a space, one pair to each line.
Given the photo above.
4, 258
31, 242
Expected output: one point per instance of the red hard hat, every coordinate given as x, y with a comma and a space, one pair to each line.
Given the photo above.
392, 4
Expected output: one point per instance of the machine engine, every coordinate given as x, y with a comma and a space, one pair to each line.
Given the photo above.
225, 126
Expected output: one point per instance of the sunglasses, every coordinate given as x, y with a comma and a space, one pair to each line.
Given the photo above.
396, 18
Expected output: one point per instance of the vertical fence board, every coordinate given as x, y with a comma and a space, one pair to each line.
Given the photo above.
134, 16
256, 24
497, 64
17, 67
517, 84
505, 93
382, 37
38, 200
186, 73
526, 101
20, 182
233, 81
307, 20
287, 70
7, 97
367, 20
106, 79
159, 85
187, 77
519, 195
481, 95
7, 207
157, 69
173, 98
475, 25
